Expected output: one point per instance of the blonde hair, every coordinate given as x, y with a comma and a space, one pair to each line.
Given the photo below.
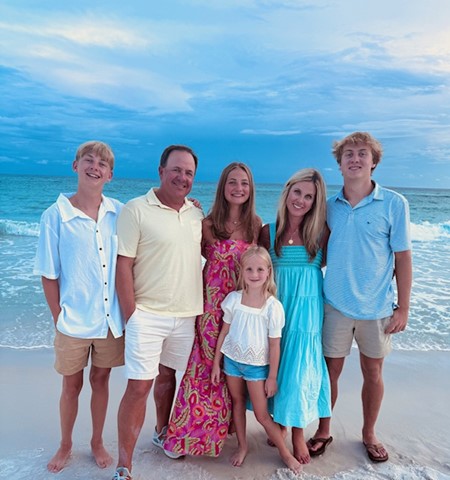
313, 224
220, 208
354, 139
95, 147
255, 250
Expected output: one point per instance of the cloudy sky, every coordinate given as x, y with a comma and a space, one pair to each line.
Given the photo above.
269, 83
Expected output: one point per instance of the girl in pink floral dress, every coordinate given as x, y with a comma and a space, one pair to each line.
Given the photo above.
202, 412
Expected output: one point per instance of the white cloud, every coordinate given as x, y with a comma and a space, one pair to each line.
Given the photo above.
249, 131
84, 31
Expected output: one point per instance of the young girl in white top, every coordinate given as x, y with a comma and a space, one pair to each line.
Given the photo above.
250, 342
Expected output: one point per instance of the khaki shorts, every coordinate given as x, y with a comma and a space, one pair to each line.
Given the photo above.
153, 339
339, 331
72, 354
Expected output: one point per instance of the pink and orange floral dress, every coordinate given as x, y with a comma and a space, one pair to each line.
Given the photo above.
202, 412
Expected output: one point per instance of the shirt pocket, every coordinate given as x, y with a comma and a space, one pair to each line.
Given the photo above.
375, 226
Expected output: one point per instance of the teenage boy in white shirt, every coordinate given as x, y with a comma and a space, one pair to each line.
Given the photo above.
76, 258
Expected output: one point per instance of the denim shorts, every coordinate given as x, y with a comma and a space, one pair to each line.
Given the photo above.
250, 373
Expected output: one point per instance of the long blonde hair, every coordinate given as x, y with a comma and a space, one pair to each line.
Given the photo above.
255, 250
220, 208
313, 224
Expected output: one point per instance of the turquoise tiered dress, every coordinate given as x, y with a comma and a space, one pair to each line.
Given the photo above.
303, 383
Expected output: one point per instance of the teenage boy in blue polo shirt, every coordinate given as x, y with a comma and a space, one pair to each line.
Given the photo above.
369, 244
76, 258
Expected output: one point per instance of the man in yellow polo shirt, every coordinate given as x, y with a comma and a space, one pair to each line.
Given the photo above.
159, 285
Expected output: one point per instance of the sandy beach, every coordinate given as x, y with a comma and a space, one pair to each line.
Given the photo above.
414, 425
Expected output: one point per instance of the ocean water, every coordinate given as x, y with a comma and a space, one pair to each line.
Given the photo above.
25, 319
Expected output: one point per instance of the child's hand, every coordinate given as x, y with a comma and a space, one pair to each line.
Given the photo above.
215, 374
270, 387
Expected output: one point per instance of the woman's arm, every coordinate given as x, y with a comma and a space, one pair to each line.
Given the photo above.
215, 374
264, 237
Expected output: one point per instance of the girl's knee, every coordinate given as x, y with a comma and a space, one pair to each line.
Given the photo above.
263, 418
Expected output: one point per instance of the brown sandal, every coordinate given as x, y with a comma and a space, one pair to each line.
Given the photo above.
314, 441
374, 448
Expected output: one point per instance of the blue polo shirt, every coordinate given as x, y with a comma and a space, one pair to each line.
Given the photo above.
360, 259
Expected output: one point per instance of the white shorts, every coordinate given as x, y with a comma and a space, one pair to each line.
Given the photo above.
152, 339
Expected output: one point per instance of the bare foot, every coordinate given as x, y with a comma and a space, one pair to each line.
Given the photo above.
59, 460
237, 459
102, 457
292, 463
301, 453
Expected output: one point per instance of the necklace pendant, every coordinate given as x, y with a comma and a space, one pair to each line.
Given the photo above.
290, 241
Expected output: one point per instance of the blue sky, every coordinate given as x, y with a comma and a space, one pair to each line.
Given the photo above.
269, 83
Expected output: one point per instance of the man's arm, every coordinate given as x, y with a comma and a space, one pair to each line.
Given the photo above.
125, 285
51, 292
403, 278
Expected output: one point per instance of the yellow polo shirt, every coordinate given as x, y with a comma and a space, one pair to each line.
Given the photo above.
166, 246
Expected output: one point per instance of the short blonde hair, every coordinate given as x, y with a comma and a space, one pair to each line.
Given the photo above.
256, 250
354, 139
95, 147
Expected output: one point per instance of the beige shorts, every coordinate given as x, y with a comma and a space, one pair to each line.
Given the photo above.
72, 354
152, 340
339, 331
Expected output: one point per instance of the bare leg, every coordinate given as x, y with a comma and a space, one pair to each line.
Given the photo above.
68, 409
273, 430
131, 418
238, 393
164, 393
335, 367
372, 397
99, 378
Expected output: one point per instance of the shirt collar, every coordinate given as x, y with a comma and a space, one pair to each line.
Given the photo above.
375, 194
69, 212
152, 199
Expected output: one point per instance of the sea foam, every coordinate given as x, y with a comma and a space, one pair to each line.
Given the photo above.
19, 228
428, 232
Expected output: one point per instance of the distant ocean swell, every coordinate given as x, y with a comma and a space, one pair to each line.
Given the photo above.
421, 232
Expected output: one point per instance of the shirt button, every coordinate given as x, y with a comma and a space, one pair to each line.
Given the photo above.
106, 299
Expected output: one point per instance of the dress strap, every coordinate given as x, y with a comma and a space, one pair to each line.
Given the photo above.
272, 233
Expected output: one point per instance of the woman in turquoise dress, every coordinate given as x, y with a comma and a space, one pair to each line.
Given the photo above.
296, 243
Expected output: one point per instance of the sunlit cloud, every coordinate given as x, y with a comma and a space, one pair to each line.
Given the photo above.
253, 76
